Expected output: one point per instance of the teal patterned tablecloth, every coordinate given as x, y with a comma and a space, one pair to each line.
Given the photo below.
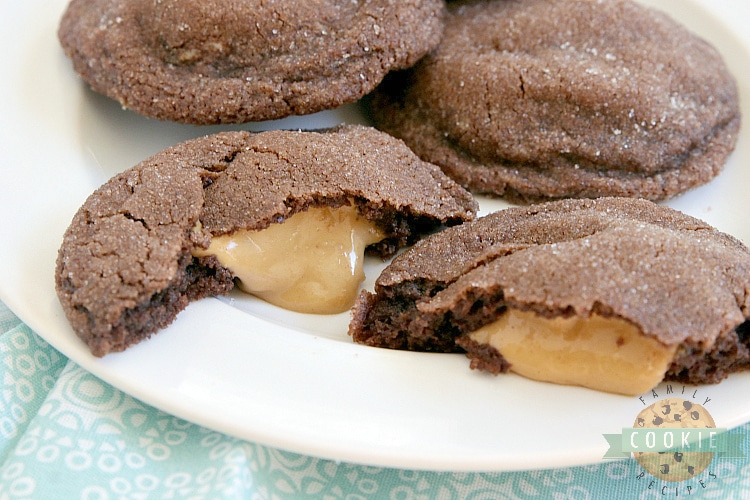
66, 434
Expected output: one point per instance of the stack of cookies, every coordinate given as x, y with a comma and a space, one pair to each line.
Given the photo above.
579, 111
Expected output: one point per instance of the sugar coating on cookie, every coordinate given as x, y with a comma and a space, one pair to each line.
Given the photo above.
126, 265
221, 61
640, 269
540, 99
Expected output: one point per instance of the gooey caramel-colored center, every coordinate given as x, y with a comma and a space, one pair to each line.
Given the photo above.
605, 354
310, 263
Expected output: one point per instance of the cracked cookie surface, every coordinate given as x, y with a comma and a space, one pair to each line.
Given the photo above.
538, 100
125, 267
223, 61
675, 278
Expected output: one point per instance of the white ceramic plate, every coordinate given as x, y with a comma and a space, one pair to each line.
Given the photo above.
286, 380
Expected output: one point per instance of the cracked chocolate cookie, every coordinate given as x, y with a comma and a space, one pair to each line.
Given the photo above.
221, 61
614, 294
538, 100
286, 214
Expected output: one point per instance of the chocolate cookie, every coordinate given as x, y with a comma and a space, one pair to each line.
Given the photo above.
139, 249
539, 99
221, 61
612, 288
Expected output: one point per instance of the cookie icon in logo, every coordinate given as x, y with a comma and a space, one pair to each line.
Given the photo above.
671, 413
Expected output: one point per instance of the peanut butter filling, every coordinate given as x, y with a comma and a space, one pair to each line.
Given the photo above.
310, 263
605, 354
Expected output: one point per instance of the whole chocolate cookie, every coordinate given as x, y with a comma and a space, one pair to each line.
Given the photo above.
612, 288
223, 61
543, 99
139, 249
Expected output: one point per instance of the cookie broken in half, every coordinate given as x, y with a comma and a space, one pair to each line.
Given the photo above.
614, 294
288, 213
